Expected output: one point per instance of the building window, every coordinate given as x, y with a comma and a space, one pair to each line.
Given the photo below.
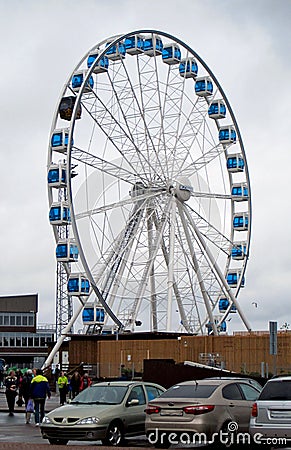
18, 341
36, 341
5, 341
12, 320
30, 341
12, 342
30, 321
24, 320
6, 320
18, 320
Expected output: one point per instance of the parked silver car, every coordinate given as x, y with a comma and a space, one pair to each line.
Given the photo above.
271, 414
201, 412
108, 411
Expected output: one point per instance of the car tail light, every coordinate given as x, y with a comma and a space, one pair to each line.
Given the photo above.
198, 409
152, 410
255, 410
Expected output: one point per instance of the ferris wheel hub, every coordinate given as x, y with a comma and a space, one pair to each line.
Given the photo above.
183, 189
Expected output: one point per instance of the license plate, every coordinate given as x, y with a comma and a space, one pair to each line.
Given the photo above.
171, 412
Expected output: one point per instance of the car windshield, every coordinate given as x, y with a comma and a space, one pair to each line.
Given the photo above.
107, 395
190, 391
276, 390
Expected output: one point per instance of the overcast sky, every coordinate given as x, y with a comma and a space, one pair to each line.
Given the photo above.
246, 43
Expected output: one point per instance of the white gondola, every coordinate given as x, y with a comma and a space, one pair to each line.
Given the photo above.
59, 140
67, 251
223, 304
203, 86
57, 175
171, 54
239, 250
115, 52
240, 192
78, 285
152, 45
241, 221
233, 277
227, 135
59, 213
77, 81
134, 44
188, 68
217, 109
235, 163
93, 314
101, 66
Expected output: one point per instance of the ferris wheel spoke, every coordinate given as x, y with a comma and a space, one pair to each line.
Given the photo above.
105, 166
221, 277
119, 137
210, 232
119, 204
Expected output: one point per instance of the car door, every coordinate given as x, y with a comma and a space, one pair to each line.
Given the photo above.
238, 403
135, 415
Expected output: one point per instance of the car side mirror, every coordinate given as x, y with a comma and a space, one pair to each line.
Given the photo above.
133, 402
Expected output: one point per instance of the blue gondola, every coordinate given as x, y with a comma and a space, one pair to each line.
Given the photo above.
101, 66
217, 109
221, 328
115, 52
152, 45
57, 175
203, 87
227, 135
240, 191
60, 139
134, 44
93, 313
67, 251
235, 163
59, 214
188, 68
78, 285
239, 250
233, 277
77, 81
171, 54
67, 106
223, 305
241, 221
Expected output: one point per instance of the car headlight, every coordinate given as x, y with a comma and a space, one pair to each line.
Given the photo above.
88, 421
46, 419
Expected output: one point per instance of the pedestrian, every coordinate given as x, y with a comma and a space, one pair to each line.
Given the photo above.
11, 391
75, 383
85, 381
25, 390
39, 390
63, 387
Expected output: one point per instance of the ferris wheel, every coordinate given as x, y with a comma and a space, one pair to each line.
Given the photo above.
149, 188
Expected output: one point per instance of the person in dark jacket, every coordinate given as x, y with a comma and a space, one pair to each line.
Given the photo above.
24, 391
39, 390
75, 383
11, 391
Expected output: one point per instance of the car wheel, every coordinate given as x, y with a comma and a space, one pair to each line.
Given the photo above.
114, 435
226, 438
58, 441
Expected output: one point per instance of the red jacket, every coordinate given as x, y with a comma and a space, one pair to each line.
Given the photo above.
85, 382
